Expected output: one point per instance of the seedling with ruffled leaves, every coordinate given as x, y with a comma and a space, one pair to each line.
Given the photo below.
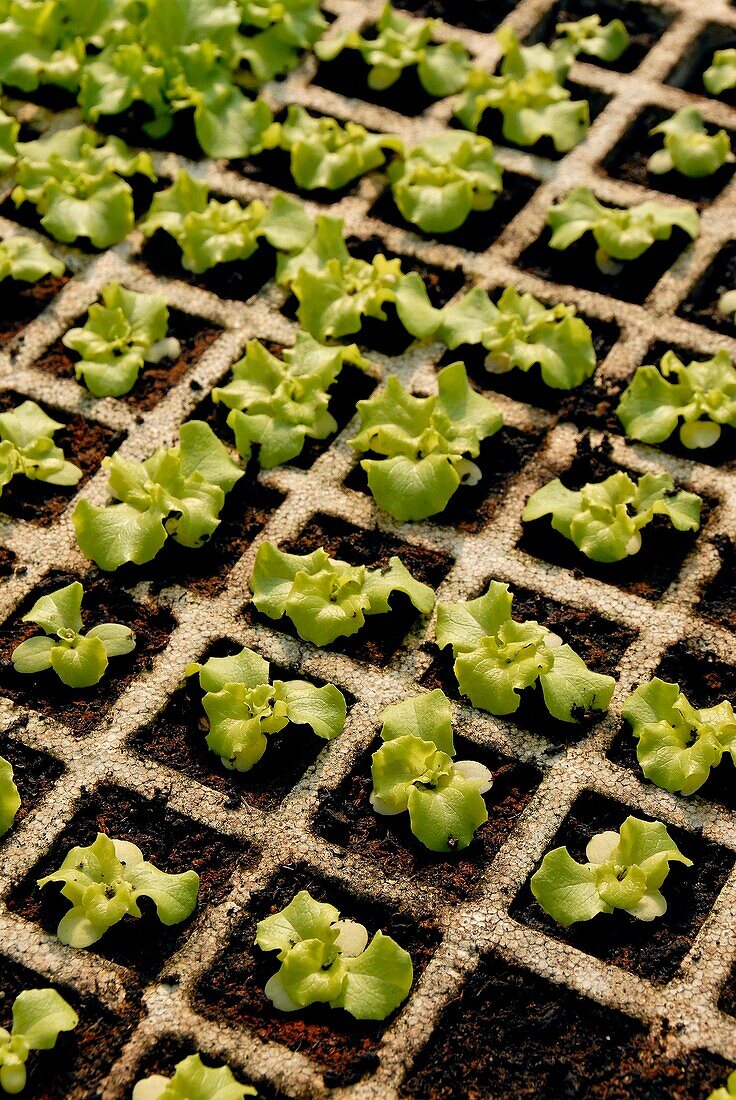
104, 883
177, 493
39, 1017
25, 260
326, 598
700, 398
328, 960
688, 147
193, 1080
283, 29
720, 76
624, 870
43, 47
414, 771
244, 708
9, 796
326, 153
592, 37
605, 519
27, 448
426, 443
496, 658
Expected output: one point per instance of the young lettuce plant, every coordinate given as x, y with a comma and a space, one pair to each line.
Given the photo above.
496, 658
23, 260
127, 331
44, 43
27, 448
414, 772
244, 708
625, 870
700, 397
426, 443
688, 147
176, 493
73, 178
328, 599
678, 744
328, 960
283, 29
193, 1080
78, 658
605, 519
720, 76
620, 234
9, 796
277, 404
401, 43
442, 181
326, 153
104, 882
39, 1017
590, 36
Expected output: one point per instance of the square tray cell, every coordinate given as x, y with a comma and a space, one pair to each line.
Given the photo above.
21, 303
718, 600
461, 13
347, 75
645, 24
236, 280
653, 950
231, 992
701, 304
169, 840
688, 72
34, 772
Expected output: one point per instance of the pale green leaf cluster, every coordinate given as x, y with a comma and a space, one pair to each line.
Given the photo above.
278, 403
244, 707
415, 771
193, 1080
25, 260
74, 179
621, 234
605, 519
176, 493
284, 28
426, 443
44, 42
127, 331
39, 1017
328, 960
688, 147
9, 129
27, 448
327, 153
328, 599
9, 796
720, 76
700, 398
104, 883
496, 658
592, 37
678, 744
625, 870
727, 1091
401, 43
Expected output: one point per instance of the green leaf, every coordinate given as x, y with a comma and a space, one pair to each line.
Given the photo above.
720, 76
28, 447
427, 717
493, 674
688, 147
115, 637
570, 685
377, 980
245, 667
465, 625
33, 655
402, 762
81, 663
303, 918
239, 720
9, 796
58, 610
446, 817
39, 1017
26, 260
590, 36
325, 153
566, 889
322, 709
192, 1080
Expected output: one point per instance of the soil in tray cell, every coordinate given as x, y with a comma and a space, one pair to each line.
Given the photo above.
652, 950
34, 772
21, 303
170, 841
645, 24
461, 13
169, 1050
231, 992
104, 602
80, 1062
347, 75
701, 305
718, 601
238, 280
688, 72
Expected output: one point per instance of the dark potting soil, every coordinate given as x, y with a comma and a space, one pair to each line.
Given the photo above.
348, 75
382, 635
727, 999
645, 24
651, 950
34, 772
21, 303
237, 280
701, 305
104, 601
231, 991
512, 1033
170, 1049
698, 56
718, 600
81, 1060
128, 125
167, 839
176, 737
461, 13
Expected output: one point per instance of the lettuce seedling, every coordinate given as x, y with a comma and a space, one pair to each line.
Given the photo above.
244, 708
78, 658
595, 39
326, 153
688, 147
26, 261
720, 76
625, 870
277, 404
328, 960
73, 178
677, 744
328, 599
496, 658
209, 231
176, 493
620, 234
605, 519
43, 43
414, 772
400, 44
699, 397
104, 882
727, 1091
9, 796
443, 180
39, 1017
27, 448
283, 29
192, 1080
426, 443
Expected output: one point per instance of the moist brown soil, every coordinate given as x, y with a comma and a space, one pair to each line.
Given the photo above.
84, 442
34, 772
168, 840
81, 1059
651, 950
701, 305
718, 601
104, 601
511, 1033
461, 13
169, 1050
21, 303
176, 737
231, 991
645, 24
348, 75
688, 72
237, 280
